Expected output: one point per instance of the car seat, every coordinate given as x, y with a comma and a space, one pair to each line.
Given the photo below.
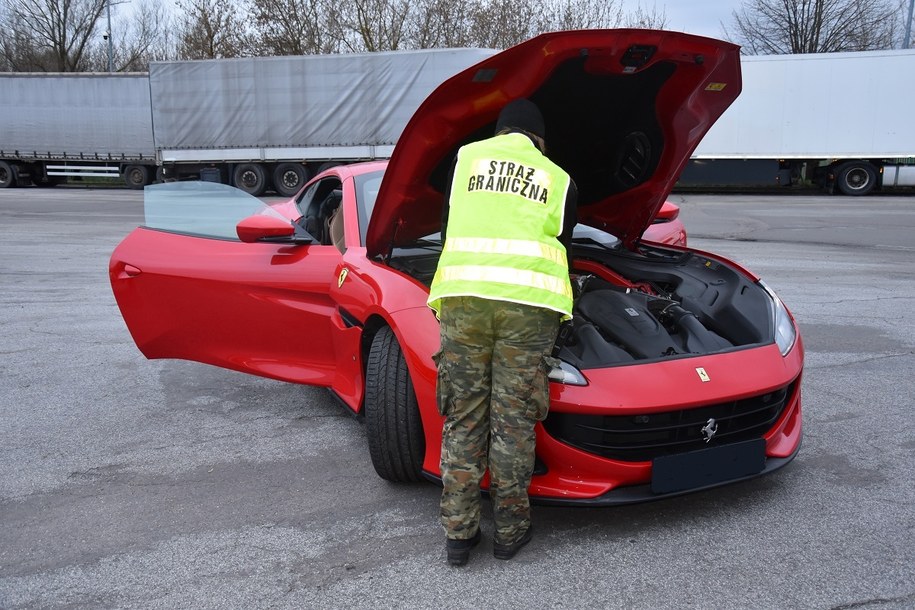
329, 209
335, 229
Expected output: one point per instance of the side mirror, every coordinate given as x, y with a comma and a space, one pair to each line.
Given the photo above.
669, 211
261, 227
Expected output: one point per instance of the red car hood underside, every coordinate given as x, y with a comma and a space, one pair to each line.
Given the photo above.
624, 109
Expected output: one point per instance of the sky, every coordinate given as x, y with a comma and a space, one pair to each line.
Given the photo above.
703, 17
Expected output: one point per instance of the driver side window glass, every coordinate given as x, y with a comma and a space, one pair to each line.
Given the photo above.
305, 200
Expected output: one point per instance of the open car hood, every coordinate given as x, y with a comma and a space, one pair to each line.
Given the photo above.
624, 109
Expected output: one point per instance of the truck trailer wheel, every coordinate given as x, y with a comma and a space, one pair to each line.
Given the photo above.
7, 177
856, 178
288, 178
136, 176
251, 178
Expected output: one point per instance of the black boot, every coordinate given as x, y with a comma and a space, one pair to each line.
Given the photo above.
459, 550
507, 551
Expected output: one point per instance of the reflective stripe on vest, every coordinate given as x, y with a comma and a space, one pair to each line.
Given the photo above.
520, 247
507, 206
506, 275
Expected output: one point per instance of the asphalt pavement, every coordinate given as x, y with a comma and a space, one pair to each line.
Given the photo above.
129, 483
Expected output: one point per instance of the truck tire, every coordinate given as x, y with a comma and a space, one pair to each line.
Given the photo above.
392, 422
136, 176
7, 177
288, 178
856, 178
251, 178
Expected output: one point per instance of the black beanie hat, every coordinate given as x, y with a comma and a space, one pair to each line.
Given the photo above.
522, 114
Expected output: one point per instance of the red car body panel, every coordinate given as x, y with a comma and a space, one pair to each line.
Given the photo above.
274, 310
246, 307
216, 290
465, 107
305, 313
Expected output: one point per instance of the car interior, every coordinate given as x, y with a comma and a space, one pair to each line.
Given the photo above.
323, 212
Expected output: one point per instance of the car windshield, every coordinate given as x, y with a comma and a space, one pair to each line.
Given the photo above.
583, 234
207, 209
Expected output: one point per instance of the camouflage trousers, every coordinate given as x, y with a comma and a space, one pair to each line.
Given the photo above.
492, 388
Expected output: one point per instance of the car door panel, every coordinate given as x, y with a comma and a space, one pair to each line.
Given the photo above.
259, 308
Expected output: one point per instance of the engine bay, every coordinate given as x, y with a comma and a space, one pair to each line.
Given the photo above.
651, 304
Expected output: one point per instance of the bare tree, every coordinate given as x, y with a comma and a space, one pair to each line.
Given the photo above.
643, 17
211, 29
67, 35
296, 27
71, 35
141, 36
766, 27
440, 24
373, 25
49, 35
17, 54
583, 14
495, 23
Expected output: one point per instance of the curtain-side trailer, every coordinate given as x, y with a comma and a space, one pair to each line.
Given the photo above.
272, 122
257, 123
840, 120
56, 126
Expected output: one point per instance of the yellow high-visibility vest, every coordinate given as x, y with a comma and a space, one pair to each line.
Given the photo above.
507, 205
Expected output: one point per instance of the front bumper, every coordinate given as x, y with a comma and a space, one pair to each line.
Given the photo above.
635, 494
580, 476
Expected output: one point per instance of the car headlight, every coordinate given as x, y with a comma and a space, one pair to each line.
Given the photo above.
567, 374
785, 333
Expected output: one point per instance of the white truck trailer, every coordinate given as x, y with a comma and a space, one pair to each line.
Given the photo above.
257, 123
841, 120
269, 122
54, 126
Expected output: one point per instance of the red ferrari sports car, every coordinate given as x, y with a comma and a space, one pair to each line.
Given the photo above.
682, 371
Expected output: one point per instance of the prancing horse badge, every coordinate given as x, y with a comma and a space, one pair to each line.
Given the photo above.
702, 374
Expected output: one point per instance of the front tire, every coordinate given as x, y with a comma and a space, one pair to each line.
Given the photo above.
392, 421
856, 178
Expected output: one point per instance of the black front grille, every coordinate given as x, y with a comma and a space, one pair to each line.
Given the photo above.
640, 438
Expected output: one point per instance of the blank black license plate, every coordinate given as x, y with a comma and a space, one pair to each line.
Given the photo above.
708, 466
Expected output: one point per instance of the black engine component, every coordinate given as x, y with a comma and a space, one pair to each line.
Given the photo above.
697, 339
615, 326
588, 349
626, 320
